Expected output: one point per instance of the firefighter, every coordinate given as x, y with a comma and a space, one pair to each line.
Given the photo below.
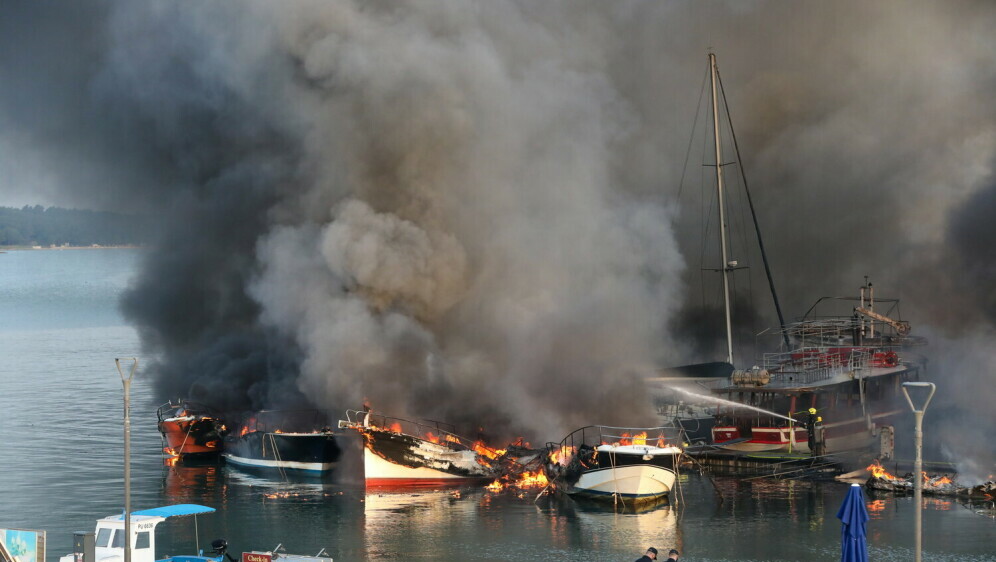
811, 430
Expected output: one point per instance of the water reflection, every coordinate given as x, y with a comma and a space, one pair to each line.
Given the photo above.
635, 528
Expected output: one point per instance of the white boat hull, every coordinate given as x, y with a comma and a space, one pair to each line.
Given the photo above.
632, 482
379, 471
292, 465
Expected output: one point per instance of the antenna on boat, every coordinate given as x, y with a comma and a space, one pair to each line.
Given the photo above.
126, 381
713, 72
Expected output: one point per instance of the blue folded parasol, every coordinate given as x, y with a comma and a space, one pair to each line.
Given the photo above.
853, 516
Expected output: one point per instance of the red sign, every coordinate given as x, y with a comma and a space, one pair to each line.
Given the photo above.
257, 557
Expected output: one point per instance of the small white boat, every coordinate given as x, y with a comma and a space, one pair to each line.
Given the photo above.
625, 464
109, 536
278, 554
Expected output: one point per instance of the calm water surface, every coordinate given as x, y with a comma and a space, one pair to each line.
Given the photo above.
61, 468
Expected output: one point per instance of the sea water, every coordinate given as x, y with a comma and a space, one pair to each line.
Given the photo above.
61, 467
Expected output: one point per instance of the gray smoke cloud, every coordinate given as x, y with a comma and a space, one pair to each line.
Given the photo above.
469, 211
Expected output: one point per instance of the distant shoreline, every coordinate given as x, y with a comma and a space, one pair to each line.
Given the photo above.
91, 247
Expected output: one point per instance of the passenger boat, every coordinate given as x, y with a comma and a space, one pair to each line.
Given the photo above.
405, 453
835, 383
297, 440
846, 369
109, 537
190, 429
631, 465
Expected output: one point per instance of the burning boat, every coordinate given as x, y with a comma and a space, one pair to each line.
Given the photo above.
190, 429
298, 440
611, 463
938, 484
400, 452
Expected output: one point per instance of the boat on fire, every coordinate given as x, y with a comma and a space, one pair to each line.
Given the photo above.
110, 536
406, 453
190, 429
296, 440
632, 465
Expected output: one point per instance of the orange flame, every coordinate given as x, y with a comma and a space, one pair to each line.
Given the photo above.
431, 437
525, 480
640, 438
562, 455
936, 483
452, 438
496, 486
481, 449
396, 427
878, 471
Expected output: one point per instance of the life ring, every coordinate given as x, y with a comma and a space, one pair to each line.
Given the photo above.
891, 359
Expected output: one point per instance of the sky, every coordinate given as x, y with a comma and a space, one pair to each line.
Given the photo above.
485, 211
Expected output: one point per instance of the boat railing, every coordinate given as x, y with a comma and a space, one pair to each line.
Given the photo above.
812, 364
433, 431
595, 435
285, 421
184, 407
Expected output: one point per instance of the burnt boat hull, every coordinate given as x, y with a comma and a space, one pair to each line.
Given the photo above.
397, 459
306, 452
191, 436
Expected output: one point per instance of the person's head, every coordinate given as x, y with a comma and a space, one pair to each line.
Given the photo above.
652, 553
673, 555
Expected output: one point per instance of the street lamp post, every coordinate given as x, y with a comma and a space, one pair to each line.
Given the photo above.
126, 381
918, 463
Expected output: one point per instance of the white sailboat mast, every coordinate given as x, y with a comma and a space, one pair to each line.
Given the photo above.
719, 200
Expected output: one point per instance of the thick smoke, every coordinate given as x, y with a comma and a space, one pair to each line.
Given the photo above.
470, 212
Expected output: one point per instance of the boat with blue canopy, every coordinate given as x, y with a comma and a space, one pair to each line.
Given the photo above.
109, 538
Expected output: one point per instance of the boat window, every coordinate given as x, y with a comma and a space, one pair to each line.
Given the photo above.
118, 541
103, 537
142, 541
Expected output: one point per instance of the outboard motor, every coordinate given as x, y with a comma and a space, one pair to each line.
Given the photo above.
220, 548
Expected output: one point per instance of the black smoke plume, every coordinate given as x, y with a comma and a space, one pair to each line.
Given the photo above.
469, 211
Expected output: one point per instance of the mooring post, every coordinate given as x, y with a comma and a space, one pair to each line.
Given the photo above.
918, 463
126, 381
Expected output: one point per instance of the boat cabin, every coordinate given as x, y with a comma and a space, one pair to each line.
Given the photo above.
110, 533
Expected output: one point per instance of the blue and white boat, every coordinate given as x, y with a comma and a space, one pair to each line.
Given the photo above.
109, 537
301, 441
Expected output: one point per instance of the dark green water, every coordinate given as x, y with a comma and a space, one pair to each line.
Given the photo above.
61, 468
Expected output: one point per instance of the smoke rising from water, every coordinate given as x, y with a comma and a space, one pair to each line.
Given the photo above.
468, 212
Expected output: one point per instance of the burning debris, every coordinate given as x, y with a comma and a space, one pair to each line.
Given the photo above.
938, 484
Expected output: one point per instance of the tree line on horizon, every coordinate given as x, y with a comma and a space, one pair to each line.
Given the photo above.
40, 226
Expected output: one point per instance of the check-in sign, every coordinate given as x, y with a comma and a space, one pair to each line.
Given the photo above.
257, 557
